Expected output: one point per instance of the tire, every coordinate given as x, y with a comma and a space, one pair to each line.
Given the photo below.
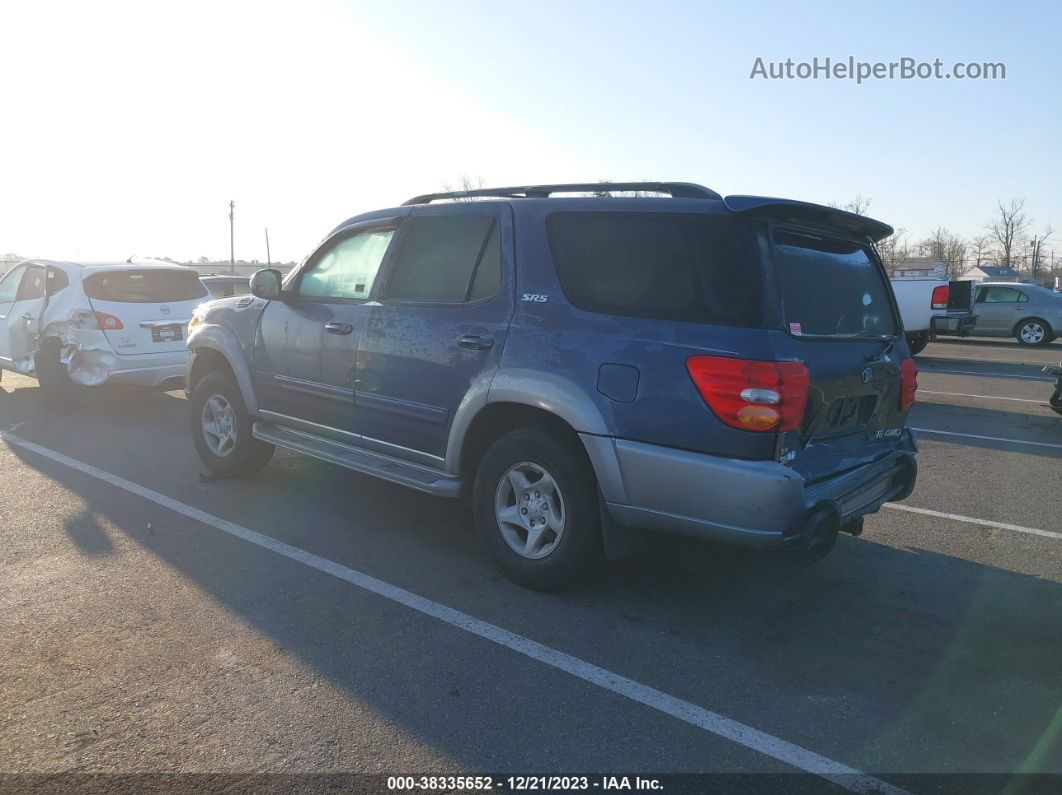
917, 343
1033, 331
230, 451
569, 547
58, 391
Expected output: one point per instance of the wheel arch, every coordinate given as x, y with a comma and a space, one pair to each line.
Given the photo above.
212, 348
540, 400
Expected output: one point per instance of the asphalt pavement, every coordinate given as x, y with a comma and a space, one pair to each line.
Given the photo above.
309, 620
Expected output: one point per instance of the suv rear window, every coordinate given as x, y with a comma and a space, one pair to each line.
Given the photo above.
831, 287
665, 266
144, 287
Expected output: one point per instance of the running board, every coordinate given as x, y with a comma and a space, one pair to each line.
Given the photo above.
366, 462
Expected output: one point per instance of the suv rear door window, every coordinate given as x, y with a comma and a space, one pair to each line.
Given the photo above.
664, 266
449, 258
144, 286
831, 287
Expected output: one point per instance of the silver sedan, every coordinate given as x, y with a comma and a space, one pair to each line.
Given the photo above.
1031, 314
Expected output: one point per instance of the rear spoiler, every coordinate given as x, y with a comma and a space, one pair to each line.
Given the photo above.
782, 209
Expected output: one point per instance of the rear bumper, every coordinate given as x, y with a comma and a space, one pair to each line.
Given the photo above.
958, 323
752, 503
93, 366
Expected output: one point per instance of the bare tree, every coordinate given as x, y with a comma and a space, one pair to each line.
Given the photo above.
1036, 251
463, 184
858, 205
894, 249
1008, 227
982, 249
945, 247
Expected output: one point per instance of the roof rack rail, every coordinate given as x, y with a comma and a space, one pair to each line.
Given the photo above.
677, 190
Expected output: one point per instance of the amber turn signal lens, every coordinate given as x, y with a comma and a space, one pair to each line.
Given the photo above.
758, 418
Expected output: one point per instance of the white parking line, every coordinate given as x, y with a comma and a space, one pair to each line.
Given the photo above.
983, 397
690, 713
923, 370
1017, 528
987, 438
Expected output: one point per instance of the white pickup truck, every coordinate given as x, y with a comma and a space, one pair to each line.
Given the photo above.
933, 307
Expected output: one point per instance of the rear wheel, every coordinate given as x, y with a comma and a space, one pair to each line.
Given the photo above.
58, 391
917, 342
221, 429
1033, 331
536, 507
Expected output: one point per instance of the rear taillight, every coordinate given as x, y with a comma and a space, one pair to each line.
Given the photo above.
108, 322
908, 383
752, 395
940, 297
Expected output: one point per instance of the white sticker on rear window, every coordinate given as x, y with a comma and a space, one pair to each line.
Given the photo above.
794, 328
867, 300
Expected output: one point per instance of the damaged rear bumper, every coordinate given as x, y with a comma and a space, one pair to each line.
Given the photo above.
90, 365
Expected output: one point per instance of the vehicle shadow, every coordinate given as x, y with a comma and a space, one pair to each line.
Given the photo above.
87, 534
876, 642
21, 401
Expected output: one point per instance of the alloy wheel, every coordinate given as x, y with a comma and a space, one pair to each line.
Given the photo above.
219, 425
529, 509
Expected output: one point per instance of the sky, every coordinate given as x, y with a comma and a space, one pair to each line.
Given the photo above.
128, 127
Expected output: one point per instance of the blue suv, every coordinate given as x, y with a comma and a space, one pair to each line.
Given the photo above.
584, 366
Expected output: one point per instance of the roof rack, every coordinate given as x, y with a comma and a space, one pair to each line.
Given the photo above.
677, 190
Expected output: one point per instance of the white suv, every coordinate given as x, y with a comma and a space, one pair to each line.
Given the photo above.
71, 323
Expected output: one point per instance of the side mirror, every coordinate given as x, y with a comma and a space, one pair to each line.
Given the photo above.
266, 283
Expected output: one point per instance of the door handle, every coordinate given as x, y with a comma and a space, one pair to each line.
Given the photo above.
27, 316
476, 343
339, 328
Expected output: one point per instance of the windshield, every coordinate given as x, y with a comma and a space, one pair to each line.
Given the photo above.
144, 286
831, 287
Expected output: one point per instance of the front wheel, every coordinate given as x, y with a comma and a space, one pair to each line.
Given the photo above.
221, 429
536, 507
1033, 331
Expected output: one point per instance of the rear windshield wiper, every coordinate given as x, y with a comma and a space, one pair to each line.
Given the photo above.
889, 342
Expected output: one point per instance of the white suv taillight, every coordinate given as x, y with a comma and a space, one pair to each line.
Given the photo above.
94, 321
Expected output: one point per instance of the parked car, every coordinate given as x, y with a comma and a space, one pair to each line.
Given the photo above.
70, 323
584, 367
226, 286
1029, 313
933, 307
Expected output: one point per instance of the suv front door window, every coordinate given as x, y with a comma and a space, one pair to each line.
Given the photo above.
306, 348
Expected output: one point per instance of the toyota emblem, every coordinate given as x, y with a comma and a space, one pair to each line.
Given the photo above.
166, 310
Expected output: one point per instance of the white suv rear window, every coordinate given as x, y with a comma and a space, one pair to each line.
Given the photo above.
144, 286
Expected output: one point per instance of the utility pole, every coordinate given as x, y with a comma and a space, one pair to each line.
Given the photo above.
268, 260
232, 239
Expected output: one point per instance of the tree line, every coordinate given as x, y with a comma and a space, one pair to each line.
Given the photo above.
1009, 239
